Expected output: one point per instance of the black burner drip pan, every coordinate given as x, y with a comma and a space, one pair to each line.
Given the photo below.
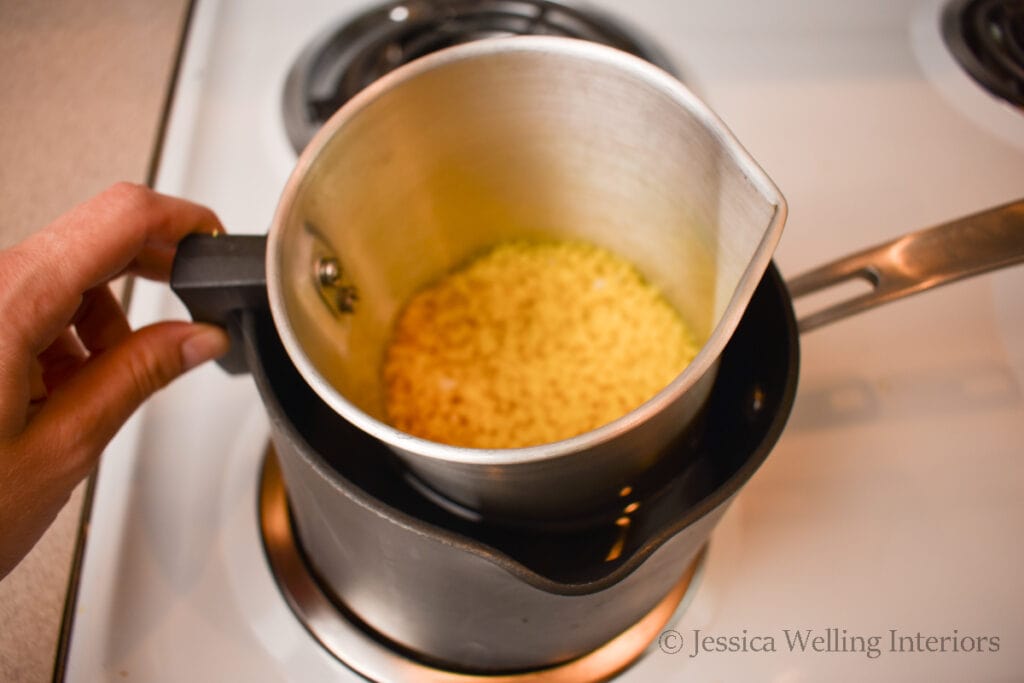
987, 38
348, 57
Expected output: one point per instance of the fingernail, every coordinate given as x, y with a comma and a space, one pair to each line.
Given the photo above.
205, 344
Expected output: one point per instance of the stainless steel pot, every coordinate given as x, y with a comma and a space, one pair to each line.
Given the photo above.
520, 138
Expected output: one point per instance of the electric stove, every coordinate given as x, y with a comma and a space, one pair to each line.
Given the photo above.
881, 539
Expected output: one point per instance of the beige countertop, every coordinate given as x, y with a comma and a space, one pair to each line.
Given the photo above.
84, 88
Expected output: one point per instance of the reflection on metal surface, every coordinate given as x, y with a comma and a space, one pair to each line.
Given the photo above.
919, 261
368, 655
934, 392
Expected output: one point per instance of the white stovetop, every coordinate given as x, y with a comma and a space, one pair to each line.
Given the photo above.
895, 498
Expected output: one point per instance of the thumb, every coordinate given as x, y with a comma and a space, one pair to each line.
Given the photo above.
81, 416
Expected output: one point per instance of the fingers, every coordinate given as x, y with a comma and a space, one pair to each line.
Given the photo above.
125, 226
100, 321
71, 370
83, 414
117, 225
154, 262
100, 324
59, 361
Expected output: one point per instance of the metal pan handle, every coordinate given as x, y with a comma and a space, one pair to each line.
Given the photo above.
218, 277
918, 261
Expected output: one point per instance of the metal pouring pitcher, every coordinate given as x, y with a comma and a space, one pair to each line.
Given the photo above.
520, 138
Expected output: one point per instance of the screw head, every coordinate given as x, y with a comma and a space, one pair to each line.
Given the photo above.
328, 271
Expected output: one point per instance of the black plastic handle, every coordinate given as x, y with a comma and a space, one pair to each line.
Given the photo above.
219, 276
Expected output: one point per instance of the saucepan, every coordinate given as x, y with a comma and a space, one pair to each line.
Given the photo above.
462, 592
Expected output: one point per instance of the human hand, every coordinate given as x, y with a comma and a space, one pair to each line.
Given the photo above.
71, 369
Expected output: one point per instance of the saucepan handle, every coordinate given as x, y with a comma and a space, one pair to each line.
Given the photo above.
218, 277
919, 261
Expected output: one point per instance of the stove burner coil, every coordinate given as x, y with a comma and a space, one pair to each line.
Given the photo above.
987, 39
348, 57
